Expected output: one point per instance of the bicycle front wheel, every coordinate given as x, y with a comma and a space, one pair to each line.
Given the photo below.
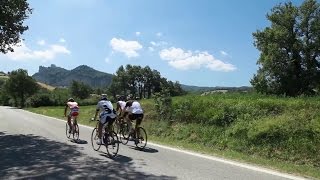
94, 139
67, 131
112, 143
141, 141
124, 133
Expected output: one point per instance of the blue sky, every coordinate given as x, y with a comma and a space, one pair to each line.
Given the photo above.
196, 42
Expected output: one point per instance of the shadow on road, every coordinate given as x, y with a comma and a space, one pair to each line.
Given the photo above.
146, 149
35, 157
79, 141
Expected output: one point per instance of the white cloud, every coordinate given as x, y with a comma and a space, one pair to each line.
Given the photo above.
224, 53
138, 33
158, 44
41, 42
62, 40
151, 49
159, 34
129, 48
22, 52
107, 60
184, 60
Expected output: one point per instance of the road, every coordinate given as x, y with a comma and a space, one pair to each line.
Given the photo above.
35, 147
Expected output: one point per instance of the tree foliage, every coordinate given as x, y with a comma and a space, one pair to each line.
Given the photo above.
141, 82
290, 50
12, 15
80, 90
20, 86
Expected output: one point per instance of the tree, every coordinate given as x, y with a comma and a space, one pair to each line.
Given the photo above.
12, 15
290, 50
80, 90
20, 86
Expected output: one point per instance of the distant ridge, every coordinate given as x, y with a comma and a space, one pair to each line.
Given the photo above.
60, 77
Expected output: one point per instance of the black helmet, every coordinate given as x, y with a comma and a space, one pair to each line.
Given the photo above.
103, 97
70, 100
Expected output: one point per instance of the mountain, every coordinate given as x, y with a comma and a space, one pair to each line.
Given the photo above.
60, 77
205, 89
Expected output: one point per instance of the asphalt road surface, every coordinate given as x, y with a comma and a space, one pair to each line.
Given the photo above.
35, 147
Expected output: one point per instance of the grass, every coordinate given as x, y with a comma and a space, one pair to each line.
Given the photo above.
277, 133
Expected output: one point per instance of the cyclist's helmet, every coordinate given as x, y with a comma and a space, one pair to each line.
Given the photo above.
70, 100
129, 97
104, 97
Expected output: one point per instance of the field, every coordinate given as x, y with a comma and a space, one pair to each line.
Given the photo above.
282, 133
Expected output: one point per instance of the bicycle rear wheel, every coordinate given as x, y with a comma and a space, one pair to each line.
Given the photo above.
111, 143
94, 139
124, 133
75, 132
141, 141
116, 126
67, 131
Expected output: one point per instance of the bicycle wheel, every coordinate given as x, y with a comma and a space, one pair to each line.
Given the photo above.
94, 138
141, 141
67, 131
116, 126
111, 143
75, 132
124, 133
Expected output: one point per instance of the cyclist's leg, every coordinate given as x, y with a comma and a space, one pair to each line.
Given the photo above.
69, 122
130, 118
110, 122
102, 121
139, 118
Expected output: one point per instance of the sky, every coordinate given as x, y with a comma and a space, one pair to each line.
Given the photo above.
195, 42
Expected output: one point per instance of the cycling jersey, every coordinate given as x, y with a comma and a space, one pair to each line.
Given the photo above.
106, 110
74, 108
122, 104
134, 107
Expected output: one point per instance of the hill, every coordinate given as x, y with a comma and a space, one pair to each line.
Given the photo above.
217, 88
60, 77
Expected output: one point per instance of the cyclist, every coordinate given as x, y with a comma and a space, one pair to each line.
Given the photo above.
133, 111
121, 105
74, 111
107, 115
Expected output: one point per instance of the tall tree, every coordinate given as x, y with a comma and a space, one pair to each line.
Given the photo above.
290, 50
20, 86
12, 15
80, 90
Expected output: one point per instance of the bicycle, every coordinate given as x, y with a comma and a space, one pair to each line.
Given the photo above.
74, 128
110, 139
127, 134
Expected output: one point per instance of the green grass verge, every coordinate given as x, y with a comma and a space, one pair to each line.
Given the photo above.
191, 136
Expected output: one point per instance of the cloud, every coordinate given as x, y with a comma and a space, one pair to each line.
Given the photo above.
159, 34
107, 60
22, 52
62, 40
129, 48
185, 60
158, 44
138, 33
151, 49
224, 53
41, 42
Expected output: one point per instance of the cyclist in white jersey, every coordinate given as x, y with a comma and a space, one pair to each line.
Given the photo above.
107, 115
133, 111
121, 106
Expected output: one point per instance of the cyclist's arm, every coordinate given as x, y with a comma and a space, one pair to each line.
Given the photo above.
118, 107
65, 110
97, 111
